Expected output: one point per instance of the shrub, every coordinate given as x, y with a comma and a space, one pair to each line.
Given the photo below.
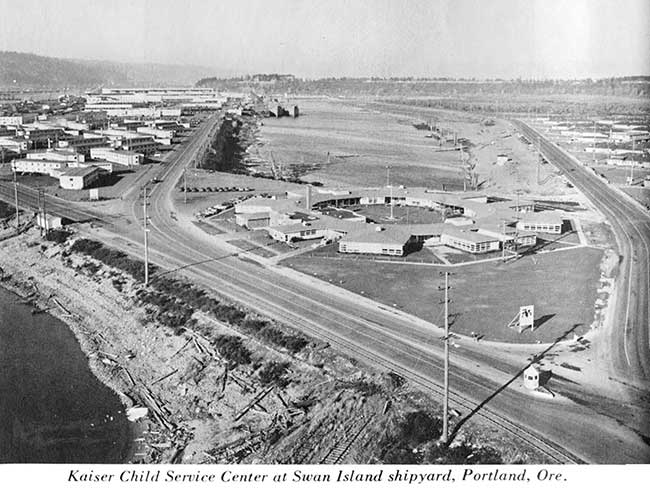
232, 349
274, 372
58, 236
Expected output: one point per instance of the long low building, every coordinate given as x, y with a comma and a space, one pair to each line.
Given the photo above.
548, 222
121, 157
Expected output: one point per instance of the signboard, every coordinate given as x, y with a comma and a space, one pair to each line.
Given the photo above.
94, 194
526, 317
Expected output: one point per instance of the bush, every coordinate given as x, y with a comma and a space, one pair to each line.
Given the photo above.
232, 349
274, 372
58, 236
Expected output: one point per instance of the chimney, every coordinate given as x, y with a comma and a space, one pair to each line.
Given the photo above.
308, 198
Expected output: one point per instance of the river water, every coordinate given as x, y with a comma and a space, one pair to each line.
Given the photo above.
52, 408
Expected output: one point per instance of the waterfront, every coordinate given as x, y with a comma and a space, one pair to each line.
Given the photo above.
52, 408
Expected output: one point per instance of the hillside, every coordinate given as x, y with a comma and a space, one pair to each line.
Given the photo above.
33, 71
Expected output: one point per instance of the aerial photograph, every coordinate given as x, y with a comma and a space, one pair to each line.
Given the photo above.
295, 232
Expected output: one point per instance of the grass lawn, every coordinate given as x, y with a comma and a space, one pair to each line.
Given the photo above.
402, 215
485, 297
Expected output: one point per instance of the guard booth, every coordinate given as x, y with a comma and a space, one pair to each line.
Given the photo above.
531, 377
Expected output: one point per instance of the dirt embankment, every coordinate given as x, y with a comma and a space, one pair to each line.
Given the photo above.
210, 401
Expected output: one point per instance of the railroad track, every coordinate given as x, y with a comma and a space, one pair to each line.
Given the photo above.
337, 453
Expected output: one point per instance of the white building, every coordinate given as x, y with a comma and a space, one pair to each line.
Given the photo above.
11, 120
470, 240
79, 178
549, 222
40, 166
124, 158
391, 241
57, 155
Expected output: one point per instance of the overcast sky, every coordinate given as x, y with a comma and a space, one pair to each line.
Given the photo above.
469, 38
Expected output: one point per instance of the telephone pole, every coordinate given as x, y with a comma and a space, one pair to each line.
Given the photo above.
16, 200
445, 401
146, 243
539, 158
184, 185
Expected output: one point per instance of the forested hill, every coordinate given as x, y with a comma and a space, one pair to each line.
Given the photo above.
629, 86
23, 70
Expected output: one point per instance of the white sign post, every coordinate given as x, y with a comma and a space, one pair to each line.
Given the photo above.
527, 317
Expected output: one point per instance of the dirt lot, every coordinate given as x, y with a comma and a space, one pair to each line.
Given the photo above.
278, 407
562, 285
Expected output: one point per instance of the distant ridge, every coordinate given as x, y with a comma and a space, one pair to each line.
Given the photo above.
25, 70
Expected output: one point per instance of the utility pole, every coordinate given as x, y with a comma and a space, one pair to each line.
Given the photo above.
184, 185
503, 243
539, 158
445, 401
594, 153
47, 229
39, 213
392, 217
146, 243
387, 176
16, 199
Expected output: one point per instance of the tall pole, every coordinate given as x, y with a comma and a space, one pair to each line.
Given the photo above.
184, 185
445, 402
387, 176
594, 153
392, 217
146, 243
16, 200
47, 229
539, 158
39, 214
503, 242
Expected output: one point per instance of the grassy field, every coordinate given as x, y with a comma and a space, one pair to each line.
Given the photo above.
485, 296
402, 215
360, 143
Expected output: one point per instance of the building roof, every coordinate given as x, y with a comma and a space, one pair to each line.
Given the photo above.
81, 171
389, 235
469, 235
552, 218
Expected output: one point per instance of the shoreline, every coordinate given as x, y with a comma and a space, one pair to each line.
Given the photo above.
39, 300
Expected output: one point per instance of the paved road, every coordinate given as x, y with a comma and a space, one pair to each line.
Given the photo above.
631, 226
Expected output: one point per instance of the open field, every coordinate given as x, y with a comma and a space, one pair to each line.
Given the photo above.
363, 138
360, 143
562, 286
401, 214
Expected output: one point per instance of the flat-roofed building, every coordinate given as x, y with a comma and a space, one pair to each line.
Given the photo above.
67, 155
13, 120
39, 166
121, 157
299, 231
17, 145
79, 178
470, 240
549, 222
389, 241
83, 144
253, 220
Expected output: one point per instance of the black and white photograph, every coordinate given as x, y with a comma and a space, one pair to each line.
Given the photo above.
314, 243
